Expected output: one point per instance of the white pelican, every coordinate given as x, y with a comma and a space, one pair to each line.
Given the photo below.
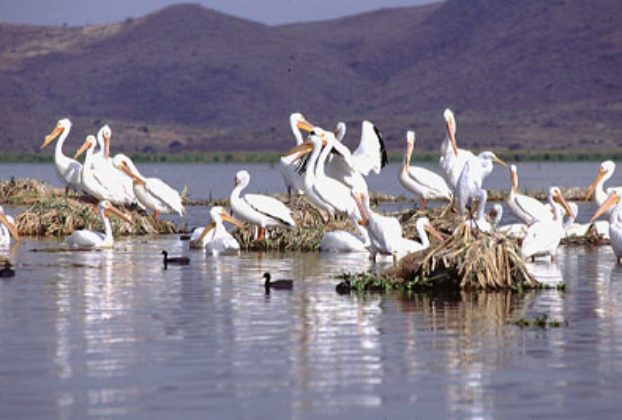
7, 229
605, 171
291, 177
469, 186
91, 239
526, 209
422, 225
580, 229
543, 237
452, 158
310, 174
69, 171
514, 230
153, 193
214, 237
112, 172
421, 181
615, 222
344, 241
257, 209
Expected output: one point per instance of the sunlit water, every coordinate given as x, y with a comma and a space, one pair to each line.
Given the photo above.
113, 334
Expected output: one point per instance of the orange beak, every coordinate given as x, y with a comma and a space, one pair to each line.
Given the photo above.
305, 125
50, 137
452, 137
611, 201
11, 227
601, 173
430, 229
82, 148
560, 199
118, 212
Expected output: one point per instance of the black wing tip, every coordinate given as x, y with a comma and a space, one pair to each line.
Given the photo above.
383, 150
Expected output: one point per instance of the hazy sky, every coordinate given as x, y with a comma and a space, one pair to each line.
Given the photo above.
81, 12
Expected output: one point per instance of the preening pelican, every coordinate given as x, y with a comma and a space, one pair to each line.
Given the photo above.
257, 209
526, 209
420, 181
214, 237
615, 222
153, 193
543, 237
291, 177
452, 158
422, 225
92, 239
344, 241
469, 186
7, 229
605, 171
69, 171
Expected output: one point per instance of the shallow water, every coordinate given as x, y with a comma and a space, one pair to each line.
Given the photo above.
113, 334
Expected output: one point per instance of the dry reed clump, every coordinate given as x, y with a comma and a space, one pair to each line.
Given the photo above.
59, 216
467, 260
25, 191
591, 238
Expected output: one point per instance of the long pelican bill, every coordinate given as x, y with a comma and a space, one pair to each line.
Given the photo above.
499, 161
611, 201
601, 173
305, 125
514, 179
50, 137
11, 227
82, 148
560, 199
107, 146
119, 213
123, 166
358, 198
452, 137
210, 226
231, 219
430, 229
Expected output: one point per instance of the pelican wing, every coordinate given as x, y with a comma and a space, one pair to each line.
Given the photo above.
270, 207
430, 181
532, 208
164, 193
371, 154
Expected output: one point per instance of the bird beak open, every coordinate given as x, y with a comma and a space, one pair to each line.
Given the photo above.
560, 199
430, 229
601, 173
119, 213
50, 137
82, 148
305, 125
499, 161
11, 227
231, 219
611, 201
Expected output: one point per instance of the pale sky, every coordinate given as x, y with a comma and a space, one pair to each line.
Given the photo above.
82, 12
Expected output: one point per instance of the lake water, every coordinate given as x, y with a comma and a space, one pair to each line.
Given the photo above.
112, 334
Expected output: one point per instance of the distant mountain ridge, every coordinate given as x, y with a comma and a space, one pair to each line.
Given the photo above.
528, 74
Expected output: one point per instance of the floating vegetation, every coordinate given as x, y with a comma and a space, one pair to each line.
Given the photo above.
591, 238
541, 321
60, 215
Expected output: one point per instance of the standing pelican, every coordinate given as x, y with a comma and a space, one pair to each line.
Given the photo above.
258, 209
287, 164
7, 229
469, 186
68, 171
615, 222
543, 237
214, 237
526, 209
153, 193
452, 158
91, 239
605, 171
421, 181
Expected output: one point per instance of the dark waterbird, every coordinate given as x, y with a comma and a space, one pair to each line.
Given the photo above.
344, 287
174, 260
7, 271
277, 284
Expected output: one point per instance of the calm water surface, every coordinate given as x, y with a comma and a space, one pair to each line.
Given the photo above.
112, 334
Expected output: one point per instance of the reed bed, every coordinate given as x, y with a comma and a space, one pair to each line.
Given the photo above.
25, 191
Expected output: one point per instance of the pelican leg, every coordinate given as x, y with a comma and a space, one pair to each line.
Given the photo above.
155, 216
424, 203
289, 193
262, 232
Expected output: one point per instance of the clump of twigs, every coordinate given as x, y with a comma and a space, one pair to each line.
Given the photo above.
25, 191
590, 238
59, 216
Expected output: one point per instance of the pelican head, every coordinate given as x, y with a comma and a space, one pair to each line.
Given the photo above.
128, 167
218, 214
89, 143
340, 131
242, 178
61, 127
611, 201
300, 122
556, 194
425, 224
490, 156
105, 132
450, 123
605, 171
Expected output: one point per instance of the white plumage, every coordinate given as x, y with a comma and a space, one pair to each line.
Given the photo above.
526, 209
7, 229
615, 221
469, 186
452, 158
92, 239
287, 165
605, 171
214, 237
68, 171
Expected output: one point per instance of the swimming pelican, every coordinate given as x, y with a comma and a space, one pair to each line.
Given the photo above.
601, 227
526, 209
91, 239
615, 222
153, 193
605, 171
469, 186
7, 229
292, 179
258, 209
344, 241
69, 171
214, 237
543, 237
421, 181
452, 158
